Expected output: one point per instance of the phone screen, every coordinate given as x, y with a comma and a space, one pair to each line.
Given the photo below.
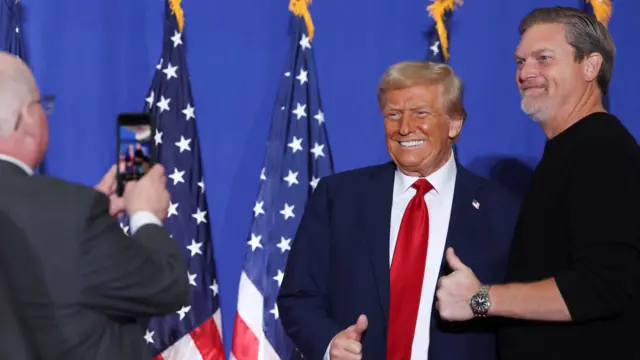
135, 148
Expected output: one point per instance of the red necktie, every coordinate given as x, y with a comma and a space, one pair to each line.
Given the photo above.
407, 273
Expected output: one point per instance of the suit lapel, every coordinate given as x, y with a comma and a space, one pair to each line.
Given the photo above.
377, 216
464, 218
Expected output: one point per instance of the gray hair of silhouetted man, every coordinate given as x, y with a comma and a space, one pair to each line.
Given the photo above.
23, 121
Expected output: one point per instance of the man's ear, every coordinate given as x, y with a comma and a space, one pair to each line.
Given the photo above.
455, 126
591, 66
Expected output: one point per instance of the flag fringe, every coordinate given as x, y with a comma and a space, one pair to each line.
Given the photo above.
301, 8
602, 9
176, 9
437, 11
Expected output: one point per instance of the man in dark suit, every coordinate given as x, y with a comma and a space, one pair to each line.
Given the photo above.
361, 276
78, 281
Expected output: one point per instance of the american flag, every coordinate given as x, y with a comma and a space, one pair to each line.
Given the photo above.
297, 156
11, 33
438, 37
194, 332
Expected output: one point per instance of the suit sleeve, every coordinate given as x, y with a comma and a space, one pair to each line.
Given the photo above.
605, 243
139, 276
302, 302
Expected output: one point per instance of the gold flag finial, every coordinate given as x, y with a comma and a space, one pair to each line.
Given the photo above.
301, 8
602, 10
176, 10
437, 11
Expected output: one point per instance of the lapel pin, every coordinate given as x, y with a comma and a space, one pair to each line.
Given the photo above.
475, 204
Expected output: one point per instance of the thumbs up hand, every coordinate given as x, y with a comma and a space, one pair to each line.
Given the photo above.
456, 289
346, 345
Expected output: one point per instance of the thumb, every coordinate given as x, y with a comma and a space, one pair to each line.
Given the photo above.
454, 261
361, 326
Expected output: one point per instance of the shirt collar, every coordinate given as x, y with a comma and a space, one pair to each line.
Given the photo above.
440, 179
17, 162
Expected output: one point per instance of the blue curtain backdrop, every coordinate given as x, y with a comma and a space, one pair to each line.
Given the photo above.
98, 57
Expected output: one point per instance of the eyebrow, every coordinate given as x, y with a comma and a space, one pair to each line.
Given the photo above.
535, 52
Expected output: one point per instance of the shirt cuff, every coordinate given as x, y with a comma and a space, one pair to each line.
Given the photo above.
327, 355
141, 218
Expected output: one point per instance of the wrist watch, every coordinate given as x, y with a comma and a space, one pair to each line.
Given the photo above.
480, 302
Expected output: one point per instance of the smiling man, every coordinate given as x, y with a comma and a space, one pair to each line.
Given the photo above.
363, 269
574, 274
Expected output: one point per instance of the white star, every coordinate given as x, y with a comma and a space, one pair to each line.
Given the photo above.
195, 247
300, 111
214, 287
163, 104
177, 176
284, 244
176, 38
125, 229
192, 278
287, 212
189, 112
295, 144
287, 74
257, 208
302, 76
263, 176
158, 137
314, 182
201, 185
255, 242
279, 277
304, 42
274, 311
173, 209
148, 336
170, 71
292, 178
183, 311
317, 150
434, 48
183, 144
159, 66
199, 216
320, 117
149, 100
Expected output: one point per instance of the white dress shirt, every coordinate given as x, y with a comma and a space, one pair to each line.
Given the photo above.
136, 220
439, 202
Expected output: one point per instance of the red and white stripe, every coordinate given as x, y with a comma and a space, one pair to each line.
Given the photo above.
249, 341
203, 343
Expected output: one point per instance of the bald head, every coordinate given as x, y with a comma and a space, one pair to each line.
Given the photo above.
17, 89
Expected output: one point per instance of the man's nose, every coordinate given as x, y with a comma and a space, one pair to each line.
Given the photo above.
407, 125
527, 71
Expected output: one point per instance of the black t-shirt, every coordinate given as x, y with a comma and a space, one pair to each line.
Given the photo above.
580, 223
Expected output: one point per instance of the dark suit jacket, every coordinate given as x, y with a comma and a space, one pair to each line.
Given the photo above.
79, 281
15, 341
338, 267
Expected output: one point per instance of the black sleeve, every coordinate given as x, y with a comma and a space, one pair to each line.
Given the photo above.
138, 276
604, 213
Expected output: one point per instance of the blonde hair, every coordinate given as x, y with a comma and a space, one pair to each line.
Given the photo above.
409, 73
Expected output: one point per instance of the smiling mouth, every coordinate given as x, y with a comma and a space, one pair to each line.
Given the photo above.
410, 144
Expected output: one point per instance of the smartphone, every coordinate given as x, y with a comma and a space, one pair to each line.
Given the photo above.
136, 151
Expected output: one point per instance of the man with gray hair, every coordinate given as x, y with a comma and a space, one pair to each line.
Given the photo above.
363, 268
573, 286
77, 282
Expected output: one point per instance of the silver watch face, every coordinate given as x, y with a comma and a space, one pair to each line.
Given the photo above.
480, 303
